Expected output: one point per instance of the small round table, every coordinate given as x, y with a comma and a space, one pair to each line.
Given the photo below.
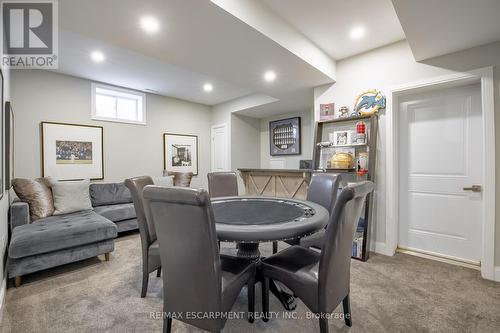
249, 221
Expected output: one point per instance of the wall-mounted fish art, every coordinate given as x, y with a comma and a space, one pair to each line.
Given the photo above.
369, 102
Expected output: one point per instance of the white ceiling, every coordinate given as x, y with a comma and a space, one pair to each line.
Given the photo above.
435, 28
198, 42
328, 23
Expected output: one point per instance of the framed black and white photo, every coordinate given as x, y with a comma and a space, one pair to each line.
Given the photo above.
2, 178
9, 144
72, 151
284, 137
180, 153
341, 138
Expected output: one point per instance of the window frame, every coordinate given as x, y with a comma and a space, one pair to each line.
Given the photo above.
137, 93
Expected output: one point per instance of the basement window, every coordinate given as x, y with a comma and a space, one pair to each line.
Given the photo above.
117, 104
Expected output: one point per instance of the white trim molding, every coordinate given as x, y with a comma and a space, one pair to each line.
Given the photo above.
3, 296
484, 76
497, 273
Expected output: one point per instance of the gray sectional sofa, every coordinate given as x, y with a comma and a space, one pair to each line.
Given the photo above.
114, 202
61, 239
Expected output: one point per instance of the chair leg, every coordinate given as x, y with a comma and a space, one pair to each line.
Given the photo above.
158, 272
323, 325
145, 280
167, 325
265, 298
18, 281
107, 256
275, 247
251, 299
346, 304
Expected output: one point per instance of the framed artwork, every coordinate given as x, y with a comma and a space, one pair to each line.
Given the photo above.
326, 111
72, 151
341, 138
284, 137
9, 144
2, 188
180, 153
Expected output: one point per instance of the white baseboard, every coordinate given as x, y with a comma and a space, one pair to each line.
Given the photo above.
381, 248
3, 293
497, 274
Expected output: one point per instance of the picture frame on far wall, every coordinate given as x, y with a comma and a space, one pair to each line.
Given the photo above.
9, 144
180, 153
284, 137
72, 151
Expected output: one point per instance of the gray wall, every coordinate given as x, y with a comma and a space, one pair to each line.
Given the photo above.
307, 134
129, 150
245, 137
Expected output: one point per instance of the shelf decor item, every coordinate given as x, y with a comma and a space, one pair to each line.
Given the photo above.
342, 160
368, 103
343, 112
72, 151
180, 153
326, 111
284, 137
360, 137
341, 138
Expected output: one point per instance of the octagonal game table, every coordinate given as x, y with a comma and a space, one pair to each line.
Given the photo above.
251, 220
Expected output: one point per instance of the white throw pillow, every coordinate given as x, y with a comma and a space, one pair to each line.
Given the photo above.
71, 196
167, 181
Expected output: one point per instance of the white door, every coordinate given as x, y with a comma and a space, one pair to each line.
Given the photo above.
440, 156
219, 148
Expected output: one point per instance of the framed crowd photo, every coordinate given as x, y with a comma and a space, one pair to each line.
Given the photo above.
9, 144
72, 151
284, 137
180, 153
2, 178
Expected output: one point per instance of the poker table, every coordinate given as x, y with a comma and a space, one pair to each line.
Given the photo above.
250, 220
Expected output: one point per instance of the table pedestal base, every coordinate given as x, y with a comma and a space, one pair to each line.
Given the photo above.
248, 250
251, 251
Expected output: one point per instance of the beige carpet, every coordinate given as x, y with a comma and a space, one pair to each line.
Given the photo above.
388, 294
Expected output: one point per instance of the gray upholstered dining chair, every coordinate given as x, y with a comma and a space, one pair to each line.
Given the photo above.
222, 184
195, 279
321, 280
323, 189
149, 245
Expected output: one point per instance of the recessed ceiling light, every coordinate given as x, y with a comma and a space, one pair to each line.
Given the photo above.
97, 56
208, 87
270, 76
357, 32
150, 24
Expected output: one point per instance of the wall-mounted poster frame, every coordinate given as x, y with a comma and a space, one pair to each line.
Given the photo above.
284, 137
180, 153
72, 151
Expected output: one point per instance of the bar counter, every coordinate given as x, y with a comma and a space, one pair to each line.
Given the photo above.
285, 183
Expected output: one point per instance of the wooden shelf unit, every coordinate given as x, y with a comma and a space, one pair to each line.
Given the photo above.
350, 174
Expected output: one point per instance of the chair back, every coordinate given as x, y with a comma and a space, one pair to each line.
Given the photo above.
185, 227
323, 190
335, 262
181, 179
222, 184
146, 227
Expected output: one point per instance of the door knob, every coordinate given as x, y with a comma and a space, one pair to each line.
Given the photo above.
473, 188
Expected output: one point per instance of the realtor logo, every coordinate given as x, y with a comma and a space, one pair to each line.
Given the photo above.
29, 30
